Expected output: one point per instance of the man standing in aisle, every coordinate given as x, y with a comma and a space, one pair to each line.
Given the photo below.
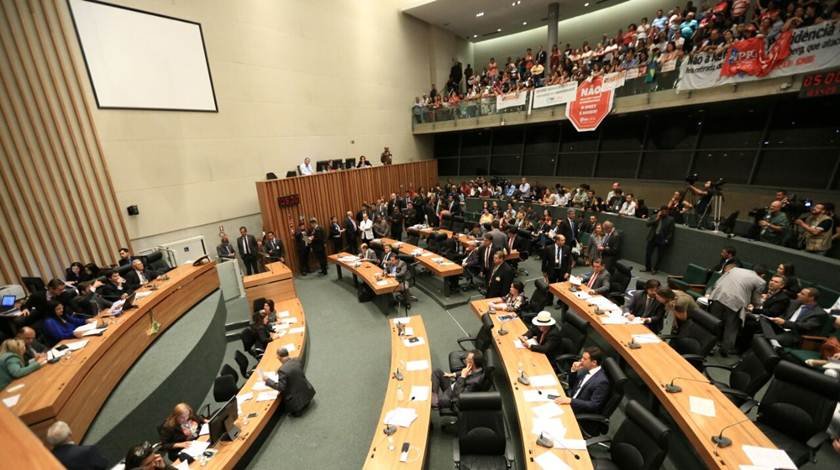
736, 288
660, 232
247, 245
294, 388
302, 247
610, 246
317, 243
351, 232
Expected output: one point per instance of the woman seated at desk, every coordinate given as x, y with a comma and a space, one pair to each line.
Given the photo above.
12, 362
180, 427
61, 325
266, 307
262, 330
514, 301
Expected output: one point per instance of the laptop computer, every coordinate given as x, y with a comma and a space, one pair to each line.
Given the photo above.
7, 303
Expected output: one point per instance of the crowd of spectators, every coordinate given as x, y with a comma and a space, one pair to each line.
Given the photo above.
654, 44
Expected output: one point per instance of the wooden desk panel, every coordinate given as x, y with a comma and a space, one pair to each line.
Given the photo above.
230, 452
20, 448
276, 283
367, 271
75, 388
657, 364
533, 364
445, 269
379, 456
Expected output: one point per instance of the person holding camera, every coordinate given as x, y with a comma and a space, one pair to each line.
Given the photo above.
816, 230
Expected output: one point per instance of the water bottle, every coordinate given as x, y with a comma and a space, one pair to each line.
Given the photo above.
400, 394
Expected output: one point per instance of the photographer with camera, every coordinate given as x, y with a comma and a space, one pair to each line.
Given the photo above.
706, 195
816, 230
775, 224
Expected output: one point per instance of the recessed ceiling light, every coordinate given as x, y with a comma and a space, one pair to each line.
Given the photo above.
518, 2
586, 4
479, 14
499, 30
524, 23
513, 4
475, 35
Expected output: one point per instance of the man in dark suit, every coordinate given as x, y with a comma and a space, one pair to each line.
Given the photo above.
37, 305
274, 248
34, 349
448, 248
644, 304
660, 233
114, 288
448, 387
498, 283
302, 247
453, 206
225, 250
803, 317
598, 280
247, 246
589, 386
516, 243
485, 254
351, 233
726, 253
317, 243
125, 257
610, 247
294, 388
568, 228
138, 275
70, 454
335, 234
387, 254
546, 338
557, 260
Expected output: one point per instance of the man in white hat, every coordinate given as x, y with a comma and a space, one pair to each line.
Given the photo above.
546, 338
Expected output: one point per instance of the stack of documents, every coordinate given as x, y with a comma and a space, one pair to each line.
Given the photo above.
519, 345
402, 417
421, 364
648, 338
348, 259
196, 448
89, 329
763, 457
420, 392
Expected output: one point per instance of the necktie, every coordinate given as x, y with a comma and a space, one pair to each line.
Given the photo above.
647, 304
510, 245
557, 256
487, 258
592, 279
354, 224
245, 245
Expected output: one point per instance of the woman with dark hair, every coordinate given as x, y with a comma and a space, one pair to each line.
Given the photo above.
75, 273
178, 429
792, 286
60, 325
262, 330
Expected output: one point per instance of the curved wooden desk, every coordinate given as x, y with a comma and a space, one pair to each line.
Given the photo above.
534, 364
367, 271
75, 388
462, 238
444, 268
21, 449
230, 452
417, 434
275, 282
658, 364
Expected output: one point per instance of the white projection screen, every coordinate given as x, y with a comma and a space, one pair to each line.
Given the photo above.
142, 60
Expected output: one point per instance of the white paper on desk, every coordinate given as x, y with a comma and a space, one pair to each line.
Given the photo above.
402, 417
582, 295
770, 458
409, 344
408, 331
259, 385
576, 444
76, 345
14, 388
196, 448
270, 376
11, 401
701, 406
537, 395
552, 428
55, 354
240, 399
297, 329
614, 320
205, 429
403, 320
549, 461
290, 347
86, 327
283, 314
142, 294
183, 465
383, 282
548, 411
545, 380
411, 366
647, 338
420, 392
287, 320
94, 331
268, 396
520, 345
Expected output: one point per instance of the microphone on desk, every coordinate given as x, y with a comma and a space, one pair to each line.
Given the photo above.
722, 441
523, 379
633, 344
674, 388
398, 375
547, 442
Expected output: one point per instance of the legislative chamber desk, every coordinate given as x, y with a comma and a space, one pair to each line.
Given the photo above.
533, 364
442, 267
75, 388
229, 453
462, 238
367, 271
657, 364
380, 456
275, 282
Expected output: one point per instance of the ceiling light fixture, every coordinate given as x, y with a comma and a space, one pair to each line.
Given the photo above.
479, 14
475, 35
499, 30
586, 4
524, 23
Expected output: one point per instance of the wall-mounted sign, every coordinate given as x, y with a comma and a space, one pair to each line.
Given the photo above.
288, 201
820, 84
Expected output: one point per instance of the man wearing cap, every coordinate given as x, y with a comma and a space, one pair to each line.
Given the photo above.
546, 338
294, 388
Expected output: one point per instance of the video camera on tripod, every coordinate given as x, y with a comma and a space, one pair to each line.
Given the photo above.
716, 186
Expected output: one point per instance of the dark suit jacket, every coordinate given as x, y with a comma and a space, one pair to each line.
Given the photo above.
252, 245
350, 231
656, 311
602, 283
335, 231
549, 261
485, 261
319, 238
132, 280
173, 435
569, 231
448, 249
613, 246
550, 345
38, 305
774, 305
294, 388
498, 285
665, 234
386, 257
110, 292
594, 393
76, 457
808, 323
275, 249
517, 243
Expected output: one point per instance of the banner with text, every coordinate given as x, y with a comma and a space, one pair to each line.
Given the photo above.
795, 51
511, 100
591, 105
613, 80
554, 95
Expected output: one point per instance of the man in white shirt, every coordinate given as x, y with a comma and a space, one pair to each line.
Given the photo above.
524, 189
589, 386
305, 168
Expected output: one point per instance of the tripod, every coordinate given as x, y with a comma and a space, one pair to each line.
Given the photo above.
716, 205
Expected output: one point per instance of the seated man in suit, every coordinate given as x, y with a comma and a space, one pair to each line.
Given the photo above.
274, 248
34, 348
589, 387
125, 257
644, 304
70, 454
448, 248
803, 317
399, 270
36, 307
225, 250
138, 275
544, 334
294, 388
498, 282
387, 253
447, 387
366, 253
597, 281
114, 288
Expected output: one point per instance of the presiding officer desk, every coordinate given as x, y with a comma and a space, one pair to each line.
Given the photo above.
437, 265
658, 364
75, 388
384, 452
370, 273
536, 366
275, 282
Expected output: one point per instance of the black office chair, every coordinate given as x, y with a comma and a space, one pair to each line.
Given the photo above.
540, 299
619, 280
747, 376
452, 413
797, 409
697, 337
593, 424
411, 262
458, 224
34, 284
482, 441
249, 342
228, 370
641, 442
573, 331
242, 361
224, 388
481, 341
446, 221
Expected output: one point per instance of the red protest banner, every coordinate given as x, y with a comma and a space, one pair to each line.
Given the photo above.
591, 105
748, 56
